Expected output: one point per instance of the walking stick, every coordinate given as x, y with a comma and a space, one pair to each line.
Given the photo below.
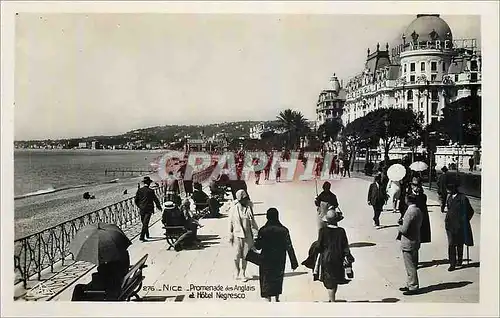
316, 185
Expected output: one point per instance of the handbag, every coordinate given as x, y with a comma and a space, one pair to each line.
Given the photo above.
254, 257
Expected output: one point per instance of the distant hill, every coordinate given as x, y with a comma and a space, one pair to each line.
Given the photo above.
171, 133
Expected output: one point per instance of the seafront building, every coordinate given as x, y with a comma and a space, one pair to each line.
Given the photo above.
331, 102
424, 71
427, 70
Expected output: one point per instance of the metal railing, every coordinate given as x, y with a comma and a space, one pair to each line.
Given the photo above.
36, 253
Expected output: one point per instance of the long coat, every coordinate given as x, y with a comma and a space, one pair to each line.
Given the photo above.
274, 241
425, 229
457, 220
334, 248
377, 195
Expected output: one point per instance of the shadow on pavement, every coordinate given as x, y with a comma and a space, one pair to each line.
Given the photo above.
384, 300
207, 237
361, 244
388, 226
201, 246
471, 265
160, 298
155, 238
443, 286
292, 274
436, 262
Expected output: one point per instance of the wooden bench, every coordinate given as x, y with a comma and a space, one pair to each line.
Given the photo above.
131, 285
174, 234
132, 282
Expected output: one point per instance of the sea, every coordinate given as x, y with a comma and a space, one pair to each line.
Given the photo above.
38, 171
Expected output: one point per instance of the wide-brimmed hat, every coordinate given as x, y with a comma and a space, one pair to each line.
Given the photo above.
333, 217
147, 180
168, 205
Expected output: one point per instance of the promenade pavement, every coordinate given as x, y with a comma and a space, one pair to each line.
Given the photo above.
379, 269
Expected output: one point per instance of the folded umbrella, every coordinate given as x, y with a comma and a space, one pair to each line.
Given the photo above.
418, 166
99, 243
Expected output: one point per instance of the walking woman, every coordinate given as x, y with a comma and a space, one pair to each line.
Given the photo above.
242, 231
394, 192
334, 249
274, 241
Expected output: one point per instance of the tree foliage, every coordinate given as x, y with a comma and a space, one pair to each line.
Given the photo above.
462, 120
330, 129
369, 129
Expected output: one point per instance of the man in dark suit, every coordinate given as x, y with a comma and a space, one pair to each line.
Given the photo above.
145, 200
441, 188
377, 198
457, 224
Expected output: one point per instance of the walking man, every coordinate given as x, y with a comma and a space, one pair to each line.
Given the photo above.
377, 198
410, 243
145, 200
457, 225
441, 188
347, 167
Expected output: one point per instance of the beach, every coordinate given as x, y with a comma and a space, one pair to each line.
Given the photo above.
36, 213
65, 176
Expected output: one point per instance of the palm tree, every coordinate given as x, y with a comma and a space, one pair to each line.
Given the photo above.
295, 125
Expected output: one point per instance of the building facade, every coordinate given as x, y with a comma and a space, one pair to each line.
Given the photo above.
331, 102
424, 72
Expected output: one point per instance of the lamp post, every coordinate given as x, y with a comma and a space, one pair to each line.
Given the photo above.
387, 122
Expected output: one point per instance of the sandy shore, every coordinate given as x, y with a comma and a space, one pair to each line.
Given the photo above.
36, 213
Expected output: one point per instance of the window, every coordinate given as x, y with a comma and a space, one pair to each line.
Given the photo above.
412, 79
404, 68
473, 77
444, 67
410, 95
434, 95
422, 66
412, 67
434, 120
473, 65
456, 77
434, 109
433, 77
433, 66
409, 105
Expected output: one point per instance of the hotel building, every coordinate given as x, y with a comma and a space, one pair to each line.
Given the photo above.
331, 102
427, 69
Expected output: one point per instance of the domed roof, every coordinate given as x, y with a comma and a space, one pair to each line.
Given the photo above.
334, 83
428, 27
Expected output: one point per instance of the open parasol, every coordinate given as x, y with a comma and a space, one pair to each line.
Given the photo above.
418, 166
396, 172
99, 243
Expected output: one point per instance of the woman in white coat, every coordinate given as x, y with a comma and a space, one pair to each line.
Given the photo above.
394, 192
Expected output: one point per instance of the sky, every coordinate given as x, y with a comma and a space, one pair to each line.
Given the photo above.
80, 75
